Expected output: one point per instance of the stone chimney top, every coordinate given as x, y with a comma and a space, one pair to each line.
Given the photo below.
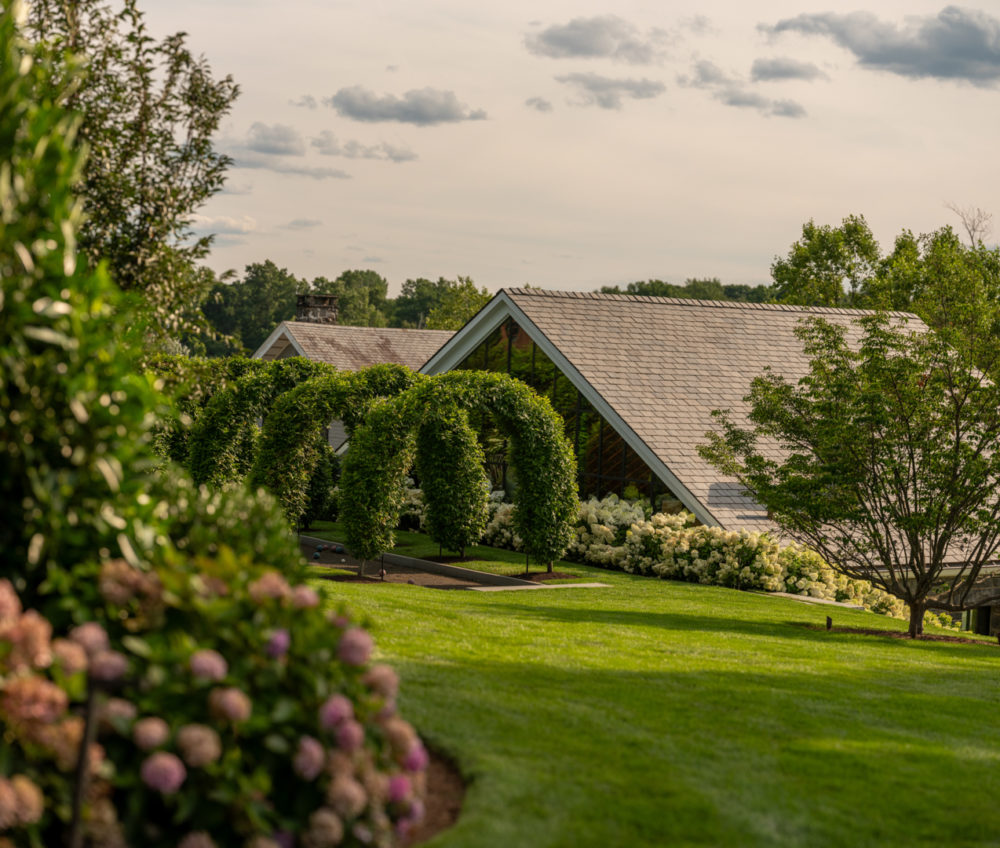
316, 308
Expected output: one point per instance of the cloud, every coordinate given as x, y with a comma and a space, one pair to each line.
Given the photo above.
423, 107
275, 139
539, 103
306, 101
732, 91
302, 224
764, 70
372, 259
608, 93
956, 44
222, 225
264, 163
237, 188
328, 145
602, 37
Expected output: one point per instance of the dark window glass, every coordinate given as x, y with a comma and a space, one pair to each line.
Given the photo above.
520, 353
542, 374
496, 350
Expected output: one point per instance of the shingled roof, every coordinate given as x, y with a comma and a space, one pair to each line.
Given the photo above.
656, 368
352, 348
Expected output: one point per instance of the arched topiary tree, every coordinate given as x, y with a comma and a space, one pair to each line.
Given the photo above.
384, 447
291, 439
222, 442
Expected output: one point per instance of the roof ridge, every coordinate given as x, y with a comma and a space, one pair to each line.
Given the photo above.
697, 302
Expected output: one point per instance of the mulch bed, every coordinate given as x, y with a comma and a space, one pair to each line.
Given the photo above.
443, 801
542, 576
894, 634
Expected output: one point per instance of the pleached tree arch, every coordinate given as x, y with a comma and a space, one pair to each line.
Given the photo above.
290, 441
385, 446
223, 439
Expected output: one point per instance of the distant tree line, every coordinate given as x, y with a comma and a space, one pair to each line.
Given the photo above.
700, 289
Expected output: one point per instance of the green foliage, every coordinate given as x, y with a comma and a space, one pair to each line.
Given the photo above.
457, 304
361, 297
69, 388
450, 467
383, 450
889, 462
321, 502
823, 261
710, 289
290, 441
149, 111
223, 440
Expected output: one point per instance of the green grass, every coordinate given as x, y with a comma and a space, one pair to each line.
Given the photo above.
653, 713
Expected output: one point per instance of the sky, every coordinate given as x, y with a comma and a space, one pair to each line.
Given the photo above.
571, 145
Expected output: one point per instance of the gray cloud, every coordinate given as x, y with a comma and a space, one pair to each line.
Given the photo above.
784, 69
424, 107
372, 259
957, 44
608, 93
279, 166
226, 231
236, 188
539, 103
605, 37
732, 91
306, 101
328, 145
302, 224
275, 139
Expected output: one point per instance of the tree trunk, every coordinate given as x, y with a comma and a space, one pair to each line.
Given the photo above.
550, 567
916, 619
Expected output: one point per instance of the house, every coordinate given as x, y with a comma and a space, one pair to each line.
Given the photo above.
636, 379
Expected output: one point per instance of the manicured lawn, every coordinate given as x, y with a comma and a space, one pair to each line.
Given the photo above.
658, 713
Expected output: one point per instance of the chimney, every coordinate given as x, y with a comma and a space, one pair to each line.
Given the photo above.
316, 308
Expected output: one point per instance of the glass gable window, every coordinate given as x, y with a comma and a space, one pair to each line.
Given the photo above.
605, 463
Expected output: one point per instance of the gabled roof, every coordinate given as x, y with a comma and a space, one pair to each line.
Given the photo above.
352, 348
655, 368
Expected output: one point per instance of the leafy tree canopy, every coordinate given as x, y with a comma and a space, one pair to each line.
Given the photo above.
702, 289
149, 110
460, 300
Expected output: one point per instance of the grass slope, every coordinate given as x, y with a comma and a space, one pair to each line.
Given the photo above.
657, 713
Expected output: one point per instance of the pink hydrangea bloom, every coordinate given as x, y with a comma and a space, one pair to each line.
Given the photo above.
325, 829
304, 597
163, 772
355, 646
33, 699
309, 758
29, 638
284, 838
230, 703
90, 636
400, 734
278, 643
270, 585
399, 788
199, 745
335, 709
10, 604
383, 680
118, 710
21, 802
151, 732
416, 758
347, 797
72, 657
208, 665
108, 666
350, 735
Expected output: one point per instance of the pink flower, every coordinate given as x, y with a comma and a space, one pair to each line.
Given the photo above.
383, 680
355, 646
335, 709
350, 735
208, 665
399, 788
72, 658
108, 666
29, 637
90, 636
149, 733
401, 735
163, 772
284, 838
10, 604
416, 758
309, 758
277, 645
269, 585
33, 699
230, 703
338, 619
21, 802
117, 711
197, 839
347, 797
304, 597
199, 745
325, 829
